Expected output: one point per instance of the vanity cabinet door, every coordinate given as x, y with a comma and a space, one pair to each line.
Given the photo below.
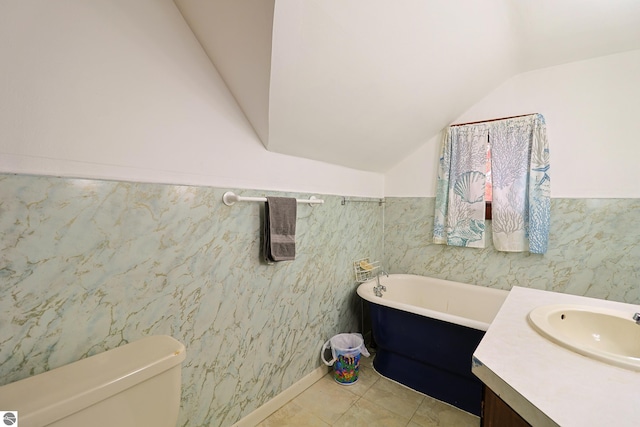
496, 413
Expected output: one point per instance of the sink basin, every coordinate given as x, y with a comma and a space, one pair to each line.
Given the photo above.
609, 336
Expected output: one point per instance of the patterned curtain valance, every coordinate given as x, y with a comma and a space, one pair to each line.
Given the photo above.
521, 185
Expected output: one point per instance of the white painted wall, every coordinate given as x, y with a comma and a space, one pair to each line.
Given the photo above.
555, 32
591, 108
236, 35
121, 89
363, 82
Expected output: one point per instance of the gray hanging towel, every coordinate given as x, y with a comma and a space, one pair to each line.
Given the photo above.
280, 229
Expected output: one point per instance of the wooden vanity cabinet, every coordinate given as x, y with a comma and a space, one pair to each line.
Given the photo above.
496, 413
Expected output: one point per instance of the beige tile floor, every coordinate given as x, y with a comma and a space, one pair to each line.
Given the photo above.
372, 401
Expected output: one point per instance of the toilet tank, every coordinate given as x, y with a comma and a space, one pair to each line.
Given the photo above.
135, 385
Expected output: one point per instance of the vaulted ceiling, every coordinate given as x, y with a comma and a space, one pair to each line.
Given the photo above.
364, 83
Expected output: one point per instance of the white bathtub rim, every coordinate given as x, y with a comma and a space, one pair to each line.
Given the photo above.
365, 290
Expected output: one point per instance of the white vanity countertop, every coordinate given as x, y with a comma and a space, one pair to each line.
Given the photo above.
547, 384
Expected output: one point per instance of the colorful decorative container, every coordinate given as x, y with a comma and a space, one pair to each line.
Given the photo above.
346, 350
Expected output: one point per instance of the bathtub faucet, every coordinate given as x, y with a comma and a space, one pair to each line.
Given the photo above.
379, 288
636, 317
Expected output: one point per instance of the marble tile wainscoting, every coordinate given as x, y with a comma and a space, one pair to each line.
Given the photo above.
593, 251
87, 265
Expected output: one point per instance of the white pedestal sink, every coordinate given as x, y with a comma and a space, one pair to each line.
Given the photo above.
610, 336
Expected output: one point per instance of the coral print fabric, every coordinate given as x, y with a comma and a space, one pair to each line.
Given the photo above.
521, 191
521, 185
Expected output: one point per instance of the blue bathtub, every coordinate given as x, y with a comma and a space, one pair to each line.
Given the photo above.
426, 331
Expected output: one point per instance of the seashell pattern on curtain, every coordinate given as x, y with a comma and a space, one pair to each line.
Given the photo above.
521, 185
460, 206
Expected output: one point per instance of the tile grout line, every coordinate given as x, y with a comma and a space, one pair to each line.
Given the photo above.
416, 410
359, 397
351, 406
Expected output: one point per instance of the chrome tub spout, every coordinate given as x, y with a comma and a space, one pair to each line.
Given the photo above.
380, 288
